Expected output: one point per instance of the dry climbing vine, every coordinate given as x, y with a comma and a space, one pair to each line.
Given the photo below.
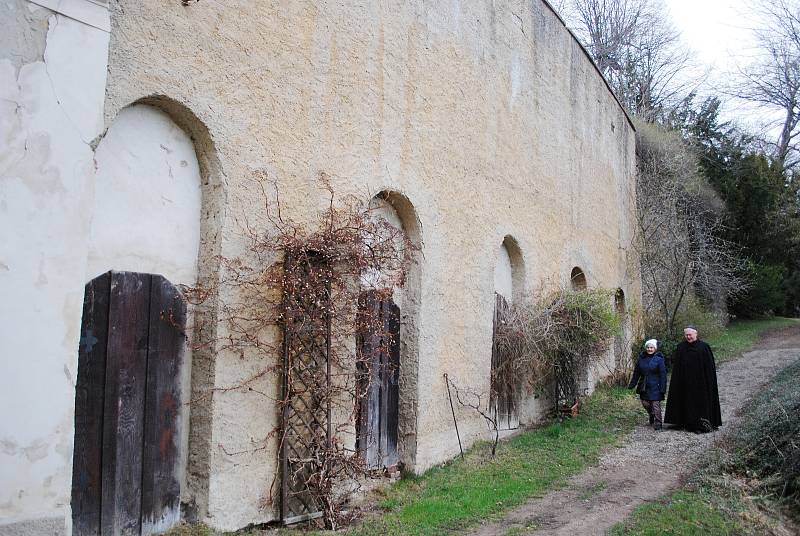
291, 304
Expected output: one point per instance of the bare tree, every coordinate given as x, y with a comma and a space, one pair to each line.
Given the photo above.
559, 6
773, 78
680, 221
637, 49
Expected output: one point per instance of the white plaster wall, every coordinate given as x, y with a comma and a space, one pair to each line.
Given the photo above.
51, 108
381, 210
503, 275
146, 213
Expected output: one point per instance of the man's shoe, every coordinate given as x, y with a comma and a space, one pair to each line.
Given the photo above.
705, 426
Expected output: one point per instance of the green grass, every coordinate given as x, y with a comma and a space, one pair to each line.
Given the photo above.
461, 493
194, 529
685, 512
740, 335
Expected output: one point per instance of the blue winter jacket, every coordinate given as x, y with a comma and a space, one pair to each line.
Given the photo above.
652, 372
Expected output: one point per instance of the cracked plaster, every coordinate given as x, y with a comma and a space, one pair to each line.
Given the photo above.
51, 98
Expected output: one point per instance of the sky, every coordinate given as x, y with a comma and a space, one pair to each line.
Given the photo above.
716, 30
719, 32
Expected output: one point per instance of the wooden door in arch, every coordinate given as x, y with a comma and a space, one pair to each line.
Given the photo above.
504, 398
378, 381
125, 478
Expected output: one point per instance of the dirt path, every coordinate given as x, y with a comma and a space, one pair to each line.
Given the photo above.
644, 467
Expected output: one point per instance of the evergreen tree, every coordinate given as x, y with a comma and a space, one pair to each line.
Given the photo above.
762, 210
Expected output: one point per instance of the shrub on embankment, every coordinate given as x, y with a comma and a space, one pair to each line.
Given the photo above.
765, 447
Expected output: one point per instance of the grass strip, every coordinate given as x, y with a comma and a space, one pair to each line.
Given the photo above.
688, 511
461, 493
740, 335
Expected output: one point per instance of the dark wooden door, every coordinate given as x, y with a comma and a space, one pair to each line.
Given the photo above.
127, 398
504, 395
378, 378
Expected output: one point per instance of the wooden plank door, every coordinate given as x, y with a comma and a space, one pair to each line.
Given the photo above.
89, 395
504, 389
378, 377
160, 454
125, 474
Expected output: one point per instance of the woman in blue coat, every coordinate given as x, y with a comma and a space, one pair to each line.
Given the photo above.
650, 380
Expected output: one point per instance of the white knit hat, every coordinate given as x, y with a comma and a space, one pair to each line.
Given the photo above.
651, 342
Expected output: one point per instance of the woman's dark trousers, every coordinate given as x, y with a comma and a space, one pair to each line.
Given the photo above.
653, 408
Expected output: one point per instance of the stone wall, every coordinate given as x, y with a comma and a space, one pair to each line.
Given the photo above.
487, 117
485, 121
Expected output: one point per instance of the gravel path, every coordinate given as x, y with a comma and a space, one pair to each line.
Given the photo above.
644, 467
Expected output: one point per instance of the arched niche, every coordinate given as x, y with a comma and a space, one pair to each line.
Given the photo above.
148, 198
509, 271
509, 279
619, 303
577, 279
381, 209
577, 283
159, 207
398, 211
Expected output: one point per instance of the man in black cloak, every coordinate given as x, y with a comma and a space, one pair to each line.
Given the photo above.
693, 400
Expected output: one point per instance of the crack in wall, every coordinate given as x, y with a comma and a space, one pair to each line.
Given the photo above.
18, 115
53, 23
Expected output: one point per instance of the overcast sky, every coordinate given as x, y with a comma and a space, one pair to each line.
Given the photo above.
719, 32
715, 29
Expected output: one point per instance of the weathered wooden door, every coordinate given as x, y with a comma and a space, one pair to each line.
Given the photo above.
503, 399
379, 369
125, 475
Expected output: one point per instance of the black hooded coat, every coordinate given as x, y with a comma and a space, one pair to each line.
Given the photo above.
693, 394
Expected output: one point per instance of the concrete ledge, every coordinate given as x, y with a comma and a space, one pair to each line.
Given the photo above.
48, 526
91, 12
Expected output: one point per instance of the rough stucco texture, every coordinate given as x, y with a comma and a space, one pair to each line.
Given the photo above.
487, 116
52, 82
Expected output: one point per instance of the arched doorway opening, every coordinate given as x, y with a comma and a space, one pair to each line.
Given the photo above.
134, 362
509, 278
621, 350
577, 279
571, 372
387, 414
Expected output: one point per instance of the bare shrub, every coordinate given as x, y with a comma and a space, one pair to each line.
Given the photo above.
679, 234
563, 329
556, 336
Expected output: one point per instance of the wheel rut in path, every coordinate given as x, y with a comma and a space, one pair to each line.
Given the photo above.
647, 463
